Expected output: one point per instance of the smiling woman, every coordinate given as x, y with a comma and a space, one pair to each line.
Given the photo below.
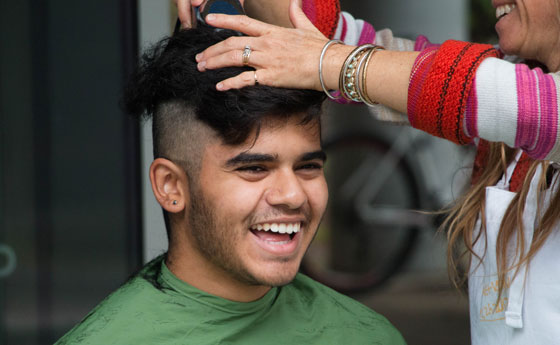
529, 28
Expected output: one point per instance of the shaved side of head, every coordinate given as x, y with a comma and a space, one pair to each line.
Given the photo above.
180, 137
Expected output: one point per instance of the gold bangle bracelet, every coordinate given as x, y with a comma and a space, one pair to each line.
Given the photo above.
360, 75
363, 91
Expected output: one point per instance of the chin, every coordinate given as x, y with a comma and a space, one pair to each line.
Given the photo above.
507, 48
276, 277
509, 43
281, 281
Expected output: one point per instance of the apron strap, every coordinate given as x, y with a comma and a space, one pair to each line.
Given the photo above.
521, 169
514, 316
514, 178
514, 312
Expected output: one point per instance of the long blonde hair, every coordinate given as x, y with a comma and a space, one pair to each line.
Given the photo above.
462, 217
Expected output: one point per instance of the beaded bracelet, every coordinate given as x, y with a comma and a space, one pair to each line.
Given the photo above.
327, 45
348, 77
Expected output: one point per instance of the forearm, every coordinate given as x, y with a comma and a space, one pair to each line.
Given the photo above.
387, 75
388, 78
393, 92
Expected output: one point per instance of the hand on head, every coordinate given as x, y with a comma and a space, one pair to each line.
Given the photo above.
185, 7
184, 10
282, 57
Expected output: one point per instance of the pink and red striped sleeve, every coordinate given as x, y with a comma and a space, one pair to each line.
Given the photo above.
440, 85
519, 106
507, 102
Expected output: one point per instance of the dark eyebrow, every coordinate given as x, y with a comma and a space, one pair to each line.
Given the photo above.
247, 158
244, 158
309, 156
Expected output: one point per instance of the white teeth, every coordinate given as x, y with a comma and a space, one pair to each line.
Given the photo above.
278, 243
282, 228
504, 9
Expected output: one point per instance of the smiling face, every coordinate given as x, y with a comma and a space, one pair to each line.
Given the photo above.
257, 206
530, 29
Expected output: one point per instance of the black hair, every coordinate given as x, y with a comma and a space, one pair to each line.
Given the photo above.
168, 73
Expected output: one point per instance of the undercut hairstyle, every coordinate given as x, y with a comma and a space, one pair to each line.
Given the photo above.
168, 88
187, 110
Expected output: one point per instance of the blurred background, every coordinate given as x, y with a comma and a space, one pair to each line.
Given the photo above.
77, 216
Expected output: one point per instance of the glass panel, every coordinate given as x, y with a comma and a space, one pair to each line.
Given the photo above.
69, 184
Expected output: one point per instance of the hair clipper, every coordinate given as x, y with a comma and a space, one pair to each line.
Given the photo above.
232, 7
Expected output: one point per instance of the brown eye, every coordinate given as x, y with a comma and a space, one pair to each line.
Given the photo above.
251, 169
252, 173
310, 166
310, 170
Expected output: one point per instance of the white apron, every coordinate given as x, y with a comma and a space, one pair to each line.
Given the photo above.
528, 312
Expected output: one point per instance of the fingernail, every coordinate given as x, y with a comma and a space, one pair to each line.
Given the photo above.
210, 17
198, 57
219, 86
201, 66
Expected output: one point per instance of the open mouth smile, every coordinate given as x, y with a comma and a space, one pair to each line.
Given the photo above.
504, 10
278, 238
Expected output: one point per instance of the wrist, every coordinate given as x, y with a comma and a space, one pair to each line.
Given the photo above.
332, 64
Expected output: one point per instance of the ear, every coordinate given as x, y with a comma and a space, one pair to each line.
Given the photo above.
169, 184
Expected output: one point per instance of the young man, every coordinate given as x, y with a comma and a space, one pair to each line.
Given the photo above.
239, 176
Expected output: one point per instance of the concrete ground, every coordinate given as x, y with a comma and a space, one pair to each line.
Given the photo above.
424, 307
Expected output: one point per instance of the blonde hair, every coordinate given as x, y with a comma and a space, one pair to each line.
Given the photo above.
462, 217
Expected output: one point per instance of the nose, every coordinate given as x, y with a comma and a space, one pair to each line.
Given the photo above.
286, 190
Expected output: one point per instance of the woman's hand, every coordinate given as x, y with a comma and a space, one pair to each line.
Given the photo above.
282, 57
184, 10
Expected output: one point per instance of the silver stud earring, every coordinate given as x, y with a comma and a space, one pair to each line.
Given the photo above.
174, 202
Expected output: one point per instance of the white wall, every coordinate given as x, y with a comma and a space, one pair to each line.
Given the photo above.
154, 23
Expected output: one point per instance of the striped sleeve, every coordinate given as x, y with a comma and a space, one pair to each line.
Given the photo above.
514, 104
324, 14
440, 86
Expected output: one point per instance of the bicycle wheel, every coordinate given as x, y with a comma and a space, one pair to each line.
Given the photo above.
352, 253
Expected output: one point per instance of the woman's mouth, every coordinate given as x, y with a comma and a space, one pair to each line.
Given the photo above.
503, 10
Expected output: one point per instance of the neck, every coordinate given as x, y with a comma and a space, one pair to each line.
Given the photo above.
552, 59
553, 64
203, 275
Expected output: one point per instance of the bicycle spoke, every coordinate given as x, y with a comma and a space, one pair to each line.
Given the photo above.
394, 217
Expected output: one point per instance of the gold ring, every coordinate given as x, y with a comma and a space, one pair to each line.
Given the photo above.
256, 79
246, 55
